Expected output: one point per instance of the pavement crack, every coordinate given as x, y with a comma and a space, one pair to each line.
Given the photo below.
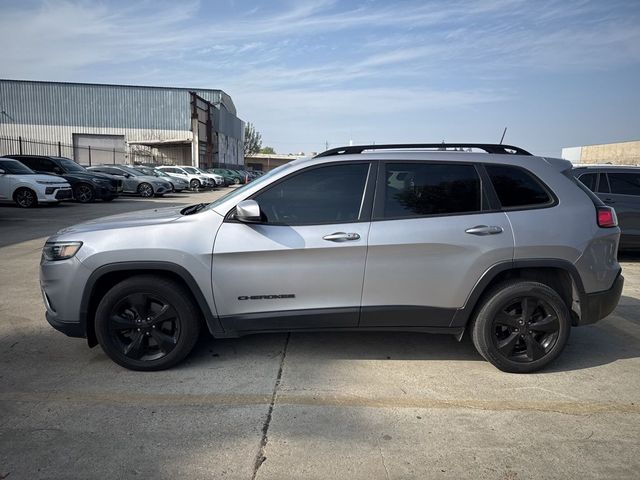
260, 457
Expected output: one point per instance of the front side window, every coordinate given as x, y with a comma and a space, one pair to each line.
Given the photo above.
415, 189
14, 167
329, 194
624, 183
517, 188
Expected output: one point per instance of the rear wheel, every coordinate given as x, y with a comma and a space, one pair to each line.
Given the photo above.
83, 193
25, 197
145, 190
147, 323
521, 326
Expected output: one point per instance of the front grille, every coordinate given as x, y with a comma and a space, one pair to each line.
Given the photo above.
63, 194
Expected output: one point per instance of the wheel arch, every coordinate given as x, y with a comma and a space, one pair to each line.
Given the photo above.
106, 276
561, 275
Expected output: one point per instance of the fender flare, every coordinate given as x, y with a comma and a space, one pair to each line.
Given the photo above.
463, 315
211, 319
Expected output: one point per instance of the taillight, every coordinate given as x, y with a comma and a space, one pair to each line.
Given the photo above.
607, 217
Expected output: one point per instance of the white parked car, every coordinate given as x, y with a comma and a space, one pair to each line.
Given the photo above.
22, 185
217, 179
196, 180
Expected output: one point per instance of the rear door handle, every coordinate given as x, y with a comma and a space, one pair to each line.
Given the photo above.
484, 230
341, 237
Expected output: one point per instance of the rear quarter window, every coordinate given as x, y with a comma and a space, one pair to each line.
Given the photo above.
517, 188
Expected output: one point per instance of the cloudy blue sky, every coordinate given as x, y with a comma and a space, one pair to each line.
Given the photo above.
305, 72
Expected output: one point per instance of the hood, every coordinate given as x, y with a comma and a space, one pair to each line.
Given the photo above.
139, 218
42, 177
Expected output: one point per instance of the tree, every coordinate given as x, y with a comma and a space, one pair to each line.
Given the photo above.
252, 140
268, 150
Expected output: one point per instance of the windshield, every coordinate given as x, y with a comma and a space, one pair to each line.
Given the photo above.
151, 172
130, 170
191, 170
257, 181
71, 166
15, 167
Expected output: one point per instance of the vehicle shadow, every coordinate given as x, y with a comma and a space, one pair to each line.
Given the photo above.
589, 346
629, 256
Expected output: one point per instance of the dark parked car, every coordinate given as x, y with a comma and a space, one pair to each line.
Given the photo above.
87, 186
619, 187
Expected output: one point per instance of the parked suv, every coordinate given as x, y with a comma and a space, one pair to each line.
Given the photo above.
618, 186
503, 244
87, 186
26, 188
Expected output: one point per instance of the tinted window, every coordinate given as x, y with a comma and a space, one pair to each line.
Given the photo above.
624, 183
331, 194
515, 187
14, 167
430, 189
589, 180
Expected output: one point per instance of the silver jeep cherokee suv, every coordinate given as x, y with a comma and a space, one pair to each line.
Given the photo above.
417, 237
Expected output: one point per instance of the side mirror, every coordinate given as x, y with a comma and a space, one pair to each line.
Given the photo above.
57, 170
248, 211
127, 175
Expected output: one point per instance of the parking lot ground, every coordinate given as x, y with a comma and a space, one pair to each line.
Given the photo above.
327, 405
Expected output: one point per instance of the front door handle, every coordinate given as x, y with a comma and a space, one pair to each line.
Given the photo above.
341, 237
484, 230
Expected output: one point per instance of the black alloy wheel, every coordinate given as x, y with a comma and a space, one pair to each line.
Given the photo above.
145, 190
526, 329
144, 327
147, 322
194, 184
25, 198
83, 193
521, 326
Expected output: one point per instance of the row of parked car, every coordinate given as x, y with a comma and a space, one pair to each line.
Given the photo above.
29, 180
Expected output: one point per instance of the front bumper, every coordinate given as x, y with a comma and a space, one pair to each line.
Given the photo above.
596, 306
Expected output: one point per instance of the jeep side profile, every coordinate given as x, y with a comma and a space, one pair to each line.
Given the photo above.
435, 238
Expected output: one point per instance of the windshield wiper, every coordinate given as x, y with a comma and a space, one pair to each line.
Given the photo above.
191, 209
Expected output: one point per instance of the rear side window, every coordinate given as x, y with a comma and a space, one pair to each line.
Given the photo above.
416, 189
624, 183
328, 194
589, 180
517, 188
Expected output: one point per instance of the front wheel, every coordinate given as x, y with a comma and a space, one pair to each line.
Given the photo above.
25, 198
194, 184
83, 193
521, 326
145, 190
147, 322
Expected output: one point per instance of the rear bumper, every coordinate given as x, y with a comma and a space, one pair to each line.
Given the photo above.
596, 306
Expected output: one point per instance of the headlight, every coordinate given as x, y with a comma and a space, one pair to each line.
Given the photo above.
46, 182
60, 250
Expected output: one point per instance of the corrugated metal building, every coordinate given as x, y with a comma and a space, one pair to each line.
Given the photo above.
118, 123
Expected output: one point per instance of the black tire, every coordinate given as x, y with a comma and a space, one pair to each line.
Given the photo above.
25, 197
194, 184
236, 181
84, 193
521, 326
147, 323
145, 190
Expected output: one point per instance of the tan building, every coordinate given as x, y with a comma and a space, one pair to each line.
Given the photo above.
623, 153
265, 161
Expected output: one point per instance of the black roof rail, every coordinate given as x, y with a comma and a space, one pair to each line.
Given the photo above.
487, 147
